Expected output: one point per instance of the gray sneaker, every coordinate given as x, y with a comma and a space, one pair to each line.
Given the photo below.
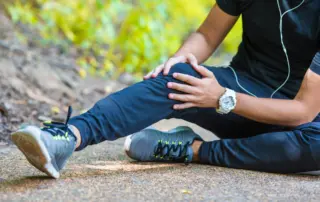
47, 148
157, 146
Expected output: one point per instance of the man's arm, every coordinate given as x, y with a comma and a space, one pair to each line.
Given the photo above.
304, 108
201, 44
205, 92
209, 36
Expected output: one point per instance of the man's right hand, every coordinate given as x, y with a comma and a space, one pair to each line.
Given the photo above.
165, 68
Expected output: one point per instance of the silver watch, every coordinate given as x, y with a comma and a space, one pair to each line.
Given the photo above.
227, 102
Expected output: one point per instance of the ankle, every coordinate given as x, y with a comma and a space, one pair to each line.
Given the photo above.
76, 133
196, 147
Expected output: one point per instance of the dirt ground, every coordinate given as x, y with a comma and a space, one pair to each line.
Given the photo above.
37, 84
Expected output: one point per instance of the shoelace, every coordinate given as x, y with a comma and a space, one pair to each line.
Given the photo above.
182, 155
57, 129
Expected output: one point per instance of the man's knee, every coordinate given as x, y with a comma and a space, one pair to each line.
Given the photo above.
183, 68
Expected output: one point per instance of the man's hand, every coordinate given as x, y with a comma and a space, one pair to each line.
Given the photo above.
203, 92
189, 58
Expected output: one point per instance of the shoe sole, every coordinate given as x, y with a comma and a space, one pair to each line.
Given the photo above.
29, 142
127, 144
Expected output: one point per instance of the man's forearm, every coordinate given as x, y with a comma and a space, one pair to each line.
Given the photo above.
197, 45
273, 111
209, 35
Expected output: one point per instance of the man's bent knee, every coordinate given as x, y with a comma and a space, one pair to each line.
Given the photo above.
184, 68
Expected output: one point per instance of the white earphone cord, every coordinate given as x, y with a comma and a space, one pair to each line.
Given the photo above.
284, 50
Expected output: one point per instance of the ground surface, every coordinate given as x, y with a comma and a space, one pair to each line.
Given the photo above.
104, 173
38, 84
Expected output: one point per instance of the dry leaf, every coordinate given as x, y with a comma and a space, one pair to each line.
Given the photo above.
185, 191
55, 110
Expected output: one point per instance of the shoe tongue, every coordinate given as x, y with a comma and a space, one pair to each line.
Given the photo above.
165, 151
71, 132
61, 131
177, 153
171, 151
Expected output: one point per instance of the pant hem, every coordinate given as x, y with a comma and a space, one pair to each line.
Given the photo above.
81, 126
204, 152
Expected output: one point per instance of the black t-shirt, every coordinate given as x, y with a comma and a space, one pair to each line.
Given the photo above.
261, 54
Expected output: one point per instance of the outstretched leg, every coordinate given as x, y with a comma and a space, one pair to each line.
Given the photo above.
291, 151
282, 152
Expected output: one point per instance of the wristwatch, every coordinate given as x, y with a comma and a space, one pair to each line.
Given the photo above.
227, 102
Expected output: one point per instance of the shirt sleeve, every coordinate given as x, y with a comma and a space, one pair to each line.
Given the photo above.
315, 66
233, 7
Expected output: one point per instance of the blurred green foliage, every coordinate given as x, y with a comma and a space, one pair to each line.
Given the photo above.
117, 35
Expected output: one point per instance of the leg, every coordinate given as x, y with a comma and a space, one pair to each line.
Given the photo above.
129, 110
145, 103
283, 152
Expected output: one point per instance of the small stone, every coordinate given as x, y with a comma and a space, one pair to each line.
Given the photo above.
4, 108
34, 112
108, 89
126, 78
42, 186
44, 118
15, 120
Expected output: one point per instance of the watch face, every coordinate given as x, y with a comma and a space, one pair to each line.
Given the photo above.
228, 103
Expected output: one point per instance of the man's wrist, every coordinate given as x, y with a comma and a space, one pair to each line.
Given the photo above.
220, 93
227, 102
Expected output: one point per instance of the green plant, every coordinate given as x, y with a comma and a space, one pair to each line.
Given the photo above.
117, 35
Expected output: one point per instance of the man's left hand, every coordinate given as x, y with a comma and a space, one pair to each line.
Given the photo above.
204, 92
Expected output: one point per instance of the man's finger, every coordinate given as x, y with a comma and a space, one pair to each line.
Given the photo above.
183, 88
187, 79
157, 71
172, 62
148, 75
192, 60
184, 106
204, 71
182, 97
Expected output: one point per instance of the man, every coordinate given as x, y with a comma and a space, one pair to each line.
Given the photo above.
263, 106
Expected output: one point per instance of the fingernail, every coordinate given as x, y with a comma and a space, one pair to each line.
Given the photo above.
175, 75
169, 85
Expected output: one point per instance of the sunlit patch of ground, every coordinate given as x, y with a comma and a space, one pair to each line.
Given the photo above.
121, 166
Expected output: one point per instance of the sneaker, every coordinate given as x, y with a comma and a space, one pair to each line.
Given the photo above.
157, 146
47, 148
